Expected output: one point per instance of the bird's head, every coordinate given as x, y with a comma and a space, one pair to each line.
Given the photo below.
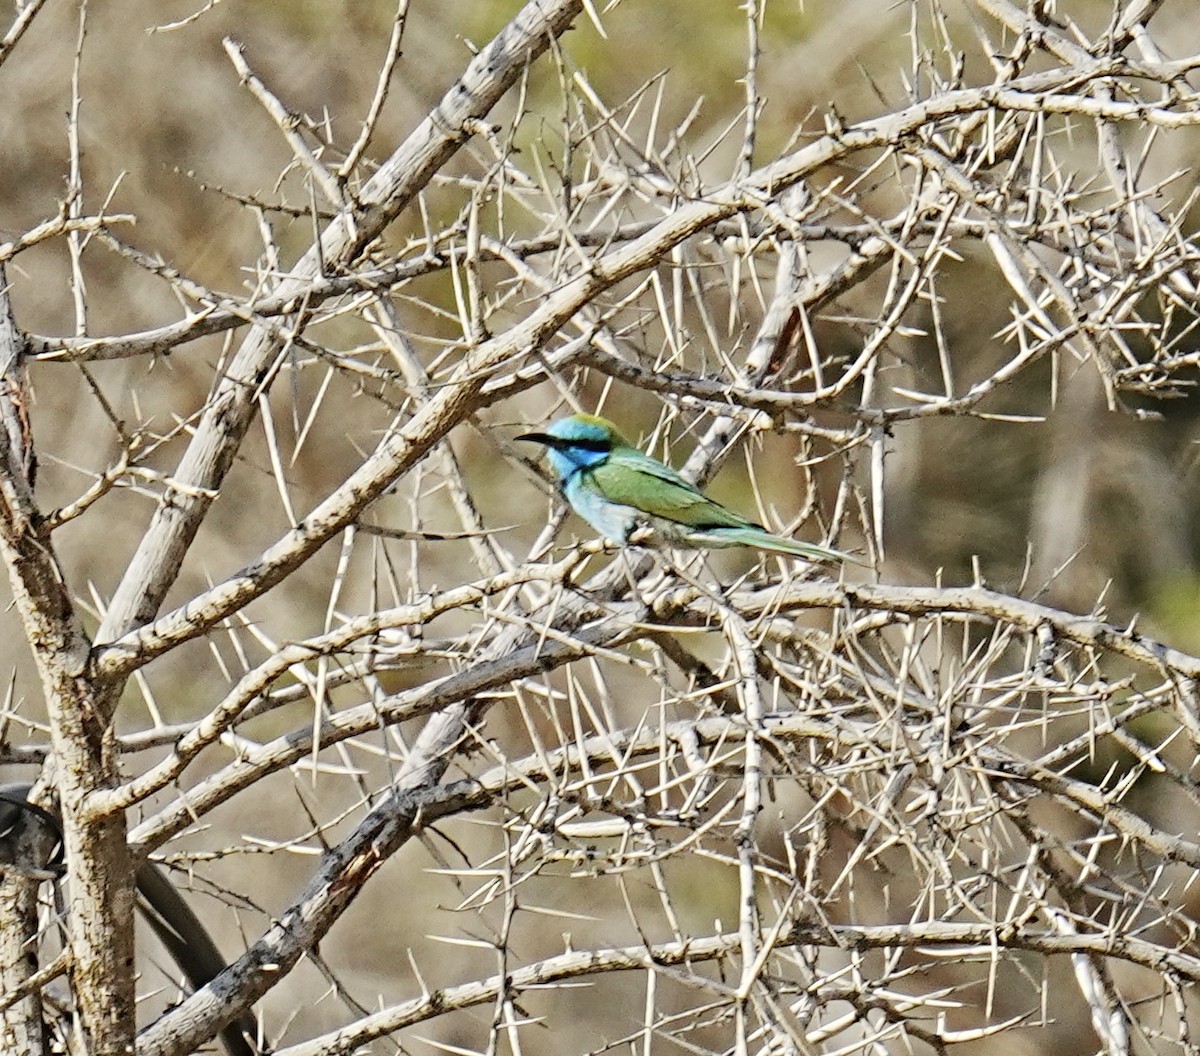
578, 442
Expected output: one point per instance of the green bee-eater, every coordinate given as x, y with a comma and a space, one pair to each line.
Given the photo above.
617, 489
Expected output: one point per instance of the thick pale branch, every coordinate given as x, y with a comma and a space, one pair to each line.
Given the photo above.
229, 413
546, 653
256, 682
101, 902
975, 941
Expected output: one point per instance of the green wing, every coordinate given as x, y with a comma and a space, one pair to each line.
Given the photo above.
644, 483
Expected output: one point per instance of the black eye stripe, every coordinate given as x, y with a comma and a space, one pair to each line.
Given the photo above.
583, 444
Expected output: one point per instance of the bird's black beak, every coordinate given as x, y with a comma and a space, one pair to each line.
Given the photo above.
539, 438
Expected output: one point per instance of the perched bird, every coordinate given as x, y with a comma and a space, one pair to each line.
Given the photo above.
617, 489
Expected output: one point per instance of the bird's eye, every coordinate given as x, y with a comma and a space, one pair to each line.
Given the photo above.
589, 444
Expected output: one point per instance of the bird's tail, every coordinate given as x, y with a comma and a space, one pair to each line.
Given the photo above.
761, 539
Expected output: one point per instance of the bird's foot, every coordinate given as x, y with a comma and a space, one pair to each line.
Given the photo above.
642, 535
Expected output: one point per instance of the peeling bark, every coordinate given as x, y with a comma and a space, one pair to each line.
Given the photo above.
100, 895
